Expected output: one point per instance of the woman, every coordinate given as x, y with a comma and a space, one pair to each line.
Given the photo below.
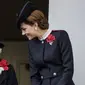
7, 72
50, 51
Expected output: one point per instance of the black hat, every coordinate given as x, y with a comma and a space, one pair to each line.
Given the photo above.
26, 10
1, 45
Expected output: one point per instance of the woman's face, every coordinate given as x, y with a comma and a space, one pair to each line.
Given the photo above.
28, 30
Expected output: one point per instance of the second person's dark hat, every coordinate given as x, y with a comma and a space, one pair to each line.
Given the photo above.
1, 45
26, 10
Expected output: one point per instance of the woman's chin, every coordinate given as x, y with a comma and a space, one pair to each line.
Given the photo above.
30, 38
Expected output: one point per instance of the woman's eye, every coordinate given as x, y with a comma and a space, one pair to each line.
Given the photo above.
23, 29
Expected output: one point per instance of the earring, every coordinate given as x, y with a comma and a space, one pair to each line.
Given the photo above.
35, 28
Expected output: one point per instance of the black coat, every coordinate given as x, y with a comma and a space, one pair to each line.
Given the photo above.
8, 77
51, 64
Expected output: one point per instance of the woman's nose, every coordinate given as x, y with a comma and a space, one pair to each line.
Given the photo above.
23, 33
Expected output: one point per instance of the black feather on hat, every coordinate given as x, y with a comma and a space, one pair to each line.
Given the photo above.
1, 45
26, 10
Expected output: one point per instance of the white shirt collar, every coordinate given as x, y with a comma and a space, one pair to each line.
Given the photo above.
46, 34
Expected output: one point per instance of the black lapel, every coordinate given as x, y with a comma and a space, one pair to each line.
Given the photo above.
37, 49
50, 50
3, 76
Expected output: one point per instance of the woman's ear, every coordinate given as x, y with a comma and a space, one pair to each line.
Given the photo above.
36, 26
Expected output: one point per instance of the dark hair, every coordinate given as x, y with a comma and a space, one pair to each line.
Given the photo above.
39, 17
1, 45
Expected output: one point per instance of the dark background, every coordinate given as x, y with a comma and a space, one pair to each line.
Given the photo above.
8, 11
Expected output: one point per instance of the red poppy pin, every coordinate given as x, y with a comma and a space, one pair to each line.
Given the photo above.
50, 39
3, 65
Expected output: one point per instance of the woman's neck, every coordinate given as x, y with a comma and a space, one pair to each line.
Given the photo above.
41, 33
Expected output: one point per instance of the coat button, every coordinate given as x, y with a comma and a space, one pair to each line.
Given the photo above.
41, 77
54, 74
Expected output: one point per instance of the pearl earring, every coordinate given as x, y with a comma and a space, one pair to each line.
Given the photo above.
35, 28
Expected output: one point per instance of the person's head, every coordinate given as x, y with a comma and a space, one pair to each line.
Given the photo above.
32, 21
